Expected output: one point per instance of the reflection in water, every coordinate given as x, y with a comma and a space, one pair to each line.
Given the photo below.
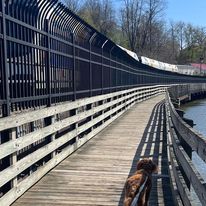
196, 111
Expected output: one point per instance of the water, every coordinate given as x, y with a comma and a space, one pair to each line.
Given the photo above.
196, 111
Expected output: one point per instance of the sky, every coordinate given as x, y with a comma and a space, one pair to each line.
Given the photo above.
188, 11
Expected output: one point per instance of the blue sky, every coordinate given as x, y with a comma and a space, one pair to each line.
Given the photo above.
188, 11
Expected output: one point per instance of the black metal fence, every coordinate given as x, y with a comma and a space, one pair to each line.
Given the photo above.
50, 55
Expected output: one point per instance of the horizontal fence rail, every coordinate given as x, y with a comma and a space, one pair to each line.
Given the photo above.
179, 134
39, 140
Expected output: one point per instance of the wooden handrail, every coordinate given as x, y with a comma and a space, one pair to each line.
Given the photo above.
178, 129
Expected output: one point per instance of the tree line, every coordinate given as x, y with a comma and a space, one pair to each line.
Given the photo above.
141, 26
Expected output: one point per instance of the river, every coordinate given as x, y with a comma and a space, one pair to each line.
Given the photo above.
196, 110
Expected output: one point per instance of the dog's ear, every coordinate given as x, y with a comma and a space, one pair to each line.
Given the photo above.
147, 164
154, 167
140, 164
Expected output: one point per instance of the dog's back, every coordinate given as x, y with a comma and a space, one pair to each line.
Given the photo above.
135, 184
138, 186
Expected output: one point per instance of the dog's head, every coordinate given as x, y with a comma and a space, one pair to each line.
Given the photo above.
147, 165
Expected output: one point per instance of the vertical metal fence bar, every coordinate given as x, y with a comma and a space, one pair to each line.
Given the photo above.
74, 67
90, 69
102, 72
29, 74
25, 71
48, 64
110, 73
110, 64
116, 73
21, 80
6, 107
9, 66
15, 55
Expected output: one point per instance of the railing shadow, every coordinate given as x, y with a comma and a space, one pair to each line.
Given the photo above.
154, 145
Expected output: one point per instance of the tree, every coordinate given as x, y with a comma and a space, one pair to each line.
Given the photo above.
73, 5
131, 16
180, 27
101, 15
140, 19
175, 33
193, 46
154, 9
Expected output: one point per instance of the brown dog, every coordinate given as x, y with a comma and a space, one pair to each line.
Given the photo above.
138, 186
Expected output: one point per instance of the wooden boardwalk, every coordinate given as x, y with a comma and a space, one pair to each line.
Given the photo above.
96, 173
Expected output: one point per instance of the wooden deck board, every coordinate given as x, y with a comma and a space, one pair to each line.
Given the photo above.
96, 173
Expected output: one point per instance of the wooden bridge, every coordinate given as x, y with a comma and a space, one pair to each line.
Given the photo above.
125, 126
63, 83
96, 173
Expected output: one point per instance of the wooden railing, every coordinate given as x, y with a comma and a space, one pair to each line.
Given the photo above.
183, 169
41, 139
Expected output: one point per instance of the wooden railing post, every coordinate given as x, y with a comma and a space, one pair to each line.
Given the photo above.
53, 120
14, 156
91, 118
75, 112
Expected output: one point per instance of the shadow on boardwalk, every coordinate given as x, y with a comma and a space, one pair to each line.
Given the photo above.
154, 146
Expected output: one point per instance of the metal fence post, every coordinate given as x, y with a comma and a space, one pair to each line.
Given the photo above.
90, 69
110, 73
102, 70
116, 74
110, 64
74, 67
48, 64
6, 107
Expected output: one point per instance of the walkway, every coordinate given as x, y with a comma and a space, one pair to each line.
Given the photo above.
96, 173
